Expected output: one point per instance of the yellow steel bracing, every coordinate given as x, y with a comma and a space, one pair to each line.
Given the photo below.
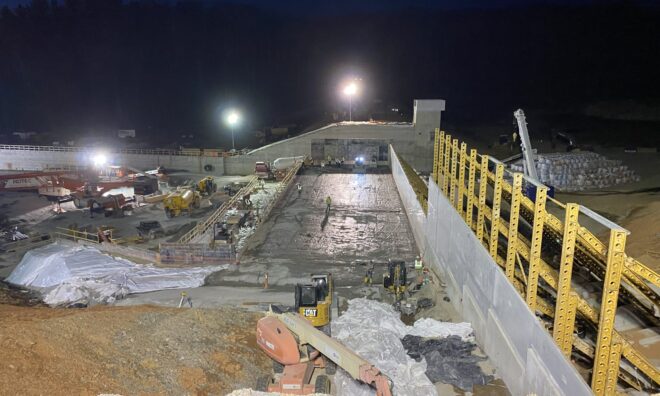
613, 368
535, 248
483, 190
472, 163
513, 226
454, 169
631, 270
566, 303
611, 284
445, 172
436, 150
461, 179
495, 217
438, 165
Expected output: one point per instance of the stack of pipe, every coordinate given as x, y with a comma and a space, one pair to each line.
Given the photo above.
577, 171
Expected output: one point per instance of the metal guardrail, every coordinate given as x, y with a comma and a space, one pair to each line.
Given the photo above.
201, 228
72, 149
479, 195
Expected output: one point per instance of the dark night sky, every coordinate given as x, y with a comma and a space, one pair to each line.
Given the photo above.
171, 67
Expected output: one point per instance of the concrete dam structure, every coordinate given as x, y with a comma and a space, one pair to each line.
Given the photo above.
509, 259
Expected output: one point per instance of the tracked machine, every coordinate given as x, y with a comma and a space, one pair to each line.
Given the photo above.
314, 301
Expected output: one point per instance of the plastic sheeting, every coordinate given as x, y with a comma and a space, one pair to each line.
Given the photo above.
67, 274
449, 360
374, 331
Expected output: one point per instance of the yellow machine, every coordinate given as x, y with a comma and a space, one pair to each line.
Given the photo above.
181, 201
314, 301
207, 186
395, 280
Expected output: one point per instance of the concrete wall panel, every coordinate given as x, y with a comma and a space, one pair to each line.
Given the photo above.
524, 353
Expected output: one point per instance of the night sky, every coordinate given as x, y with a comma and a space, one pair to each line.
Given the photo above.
165, 68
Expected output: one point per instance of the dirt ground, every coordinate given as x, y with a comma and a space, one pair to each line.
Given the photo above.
142, 350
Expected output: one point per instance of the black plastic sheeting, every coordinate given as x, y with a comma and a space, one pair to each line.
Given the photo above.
449, 360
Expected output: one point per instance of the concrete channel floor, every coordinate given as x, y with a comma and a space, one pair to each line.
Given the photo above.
366, 222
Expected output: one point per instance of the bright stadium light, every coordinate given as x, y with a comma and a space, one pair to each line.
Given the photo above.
350, 90
99, 159
233, 118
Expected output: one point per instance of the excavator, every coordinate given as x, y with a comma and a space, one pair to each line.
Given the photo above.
314, 300
291, 340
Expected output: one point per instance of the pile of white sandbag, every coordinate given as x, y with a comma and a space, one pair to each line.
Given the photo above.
580, 170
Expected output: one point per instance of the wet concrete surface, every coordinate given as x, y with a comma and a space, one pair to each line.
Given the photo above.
366, 222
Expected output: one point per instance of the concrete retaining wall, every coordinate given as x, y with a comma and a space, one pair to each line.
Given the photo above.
525, 355
29, 160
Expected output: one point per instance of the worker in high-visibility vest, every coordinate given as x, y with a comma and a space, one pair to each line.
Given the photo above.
419, 265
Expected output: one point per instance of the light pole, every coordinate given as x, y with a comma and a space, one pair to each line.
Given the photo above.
232, 119
350, 90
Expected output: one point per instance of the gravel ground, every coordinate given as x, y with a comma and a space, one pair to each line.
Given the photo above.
128, 350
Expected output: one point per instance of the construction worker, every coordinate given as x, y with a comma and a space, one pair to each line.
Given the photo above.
514, 140
266, 280
299, 186
369, 275
328, 202
419, 265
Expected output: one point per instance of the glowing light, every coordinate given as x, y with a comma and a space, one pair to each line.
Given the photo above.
351, 89
99, 159
233, 118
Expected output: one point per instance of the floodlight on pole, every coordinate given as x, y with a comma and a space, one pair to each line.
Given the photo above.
350, 90
233, 117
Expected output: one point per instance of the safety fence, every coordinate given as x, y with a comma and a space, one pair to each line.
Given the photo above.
539, 243
197, 232
196, 254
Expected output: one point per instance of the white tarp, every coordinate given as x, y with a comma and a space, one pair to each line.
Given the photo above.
374, 331
68, 273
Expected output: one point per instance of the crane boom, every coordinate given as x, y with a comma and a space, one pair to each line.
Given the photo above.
526, 145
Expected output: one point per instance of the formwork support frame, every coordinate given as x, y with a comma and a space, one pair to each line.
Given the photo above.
604, 360
535, 248
512, 238
461, 180
454, 170
483, 189
445, 173
472, 163
495, 216
566, 303
436, 152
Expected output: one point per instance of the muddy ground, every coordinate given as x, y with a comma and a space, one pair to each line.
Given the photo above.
128, 350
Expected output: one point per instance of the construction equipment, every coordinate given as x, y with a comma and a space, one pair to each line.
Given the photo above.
150, 230
291, 340
314, 300
110, 205
181, 201
207, 186
262, 171
529, 166
395, 280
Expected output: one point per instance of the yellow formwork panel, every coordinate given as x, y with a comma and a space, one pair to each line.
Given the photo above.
445, 172
454, 169
513, 226
483, 189
472, 162
611, 285
495, 218
436, 144
565, 312
535, 247
461, 180
440, 158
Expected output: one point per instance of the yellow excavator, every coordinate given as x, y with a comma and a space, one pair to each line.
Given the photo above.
313, 301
